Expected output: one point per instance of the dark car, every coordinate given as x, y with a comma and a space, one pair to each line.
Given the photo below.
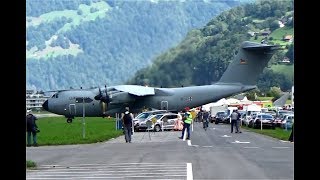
221, 117
266, 120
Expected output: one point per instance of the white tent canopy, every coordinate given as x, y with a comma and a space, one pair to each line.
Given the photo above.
233, 101
245, 101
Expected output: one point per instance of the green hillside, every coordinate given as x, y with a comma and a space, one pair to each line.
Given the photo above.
95, 42
287, 70
210, 49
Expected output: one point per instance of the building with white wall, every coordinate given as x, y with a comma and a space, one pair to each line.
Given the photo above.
35, 99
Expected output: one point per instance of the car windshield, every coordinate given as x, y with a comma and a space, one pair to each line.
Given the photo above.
142, 115
281, 113
267, 116
220, 114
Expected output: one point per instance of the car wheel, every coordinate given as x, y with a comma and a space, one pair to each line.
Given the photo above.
157, 128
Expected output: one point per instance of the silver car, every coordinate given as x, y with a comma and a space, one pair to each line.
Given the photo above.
164, 121
143, 116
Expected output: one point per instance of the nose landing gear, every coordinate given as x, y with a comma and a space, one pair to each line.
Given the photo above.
69, 120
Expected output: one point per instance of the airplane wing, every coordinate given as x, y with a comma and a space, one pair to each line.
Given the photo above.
136, 90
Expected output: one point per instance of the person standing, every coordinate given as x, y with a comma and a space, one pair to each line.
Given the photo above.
32, 129
234, 117
238, 130
187, 120
127, 126
205, 119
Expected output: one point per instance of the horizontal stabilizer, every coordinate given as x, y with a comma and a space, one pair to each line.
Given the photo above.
255, 46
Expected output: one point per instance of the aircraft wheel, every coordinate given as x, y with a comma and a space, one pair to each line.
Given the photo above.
157, 128
69, 120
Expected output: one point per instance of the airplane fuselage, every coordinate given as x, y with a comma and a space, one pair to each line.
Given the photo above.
73, 103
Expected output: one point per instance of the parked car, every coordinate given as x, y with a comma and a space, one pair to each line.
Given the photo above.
283, 112
221, 117
281, 116
272, 113
287, 121
165, 121
249, 118
265, 119
143, 116
243, 119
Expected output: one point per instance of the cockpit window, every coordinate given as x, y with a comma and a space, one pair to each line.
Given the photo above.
55, 95
85, 100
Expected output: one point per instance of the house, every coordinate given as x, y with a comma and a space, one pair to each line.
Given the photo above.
265, 33
287, 38
285, 60
252, 33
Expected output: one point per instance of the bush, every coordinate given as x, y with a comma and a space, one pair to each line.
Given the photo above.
31, 164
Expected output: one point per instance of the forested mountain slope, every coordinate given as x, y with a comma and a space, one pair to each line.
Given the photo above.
203, 56
73, 43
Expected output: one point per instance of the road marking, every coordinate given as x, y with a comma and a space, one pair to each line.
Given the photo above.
280, 147
206, 146
225, 136
189, 171
250, 147
113, 171
189, 143
239, 142
195, 145
284, 141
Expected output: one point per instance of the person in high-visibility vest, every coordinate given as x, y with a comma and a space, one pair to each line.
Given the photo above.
187, 120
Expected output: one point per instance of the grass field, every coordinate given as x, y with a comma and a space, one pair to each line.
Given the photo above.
55, 130
279, 33
262, 98
31, 164
277, 133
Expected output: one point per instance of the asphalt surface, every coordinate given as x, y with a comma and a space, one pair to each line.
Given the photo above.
212, 154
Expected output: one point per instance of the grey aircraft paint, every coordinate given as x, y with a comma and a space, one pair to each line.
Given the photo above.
240, 76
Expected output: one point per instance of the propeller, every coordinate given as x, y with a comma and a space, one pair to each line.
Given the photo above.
103, 96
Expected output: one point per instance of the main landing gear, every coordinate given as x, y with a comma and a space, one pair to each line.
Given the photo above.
69, 120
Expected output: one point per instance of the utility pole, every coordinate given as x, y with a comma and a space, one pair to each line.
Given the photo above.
83, 120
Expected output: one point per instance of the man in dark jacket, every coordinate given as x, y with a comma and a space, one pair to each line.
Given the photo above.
127, 126
32, 128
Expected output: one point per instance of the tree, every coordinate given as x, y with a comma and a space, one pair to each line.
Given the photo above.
290, 53
274, 92
252, 94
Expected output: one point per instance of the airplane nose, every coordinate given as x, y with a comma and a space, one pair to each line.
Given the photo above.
45, 105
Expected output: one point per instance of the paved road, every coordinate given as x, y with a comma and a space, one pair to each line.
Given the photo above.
211, 154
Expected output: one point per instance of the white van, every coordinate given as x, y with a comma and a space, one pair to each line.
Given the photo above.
251, 110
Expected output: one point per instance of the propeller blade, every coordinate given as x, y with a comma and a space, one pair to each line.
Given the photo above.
104, 97
99, 96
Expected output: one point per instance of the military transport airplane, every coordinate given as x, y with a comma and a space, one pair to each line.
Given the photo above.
241, 75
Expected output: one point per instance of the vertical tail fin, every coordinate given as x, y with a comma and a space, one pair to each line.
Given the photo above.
249, 63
